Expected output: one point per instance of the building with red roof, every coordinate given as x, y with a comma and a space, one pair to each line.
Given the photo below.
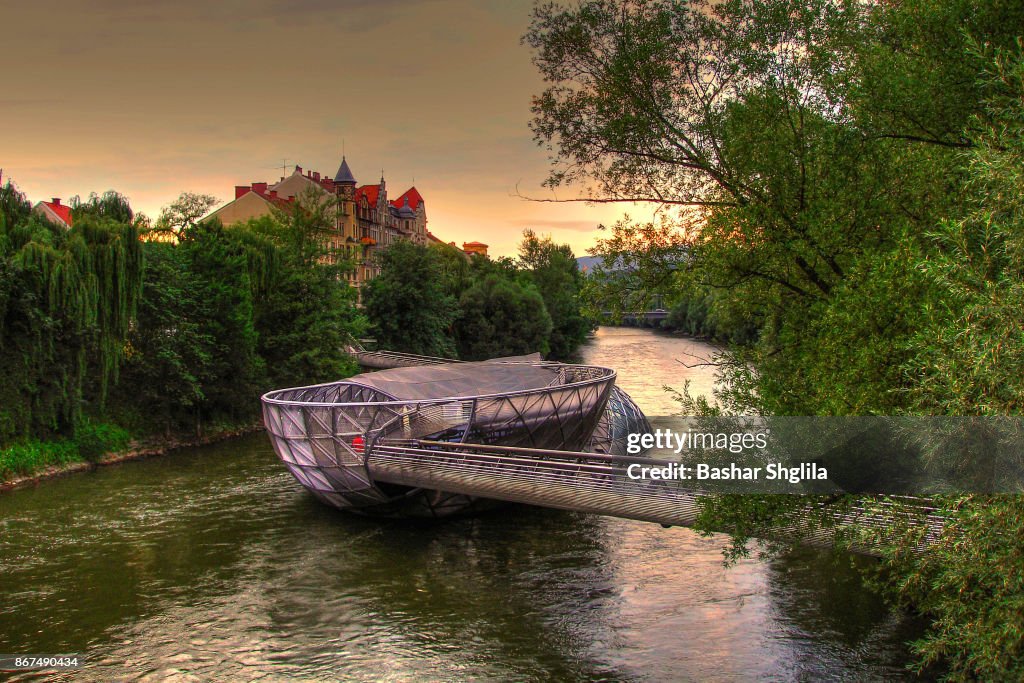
475, 248
366, 221
55, 212
412, 197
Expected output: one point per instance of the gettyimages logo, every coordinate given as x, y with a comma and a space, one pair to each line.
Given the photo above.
710, 447
905, 455
666, 439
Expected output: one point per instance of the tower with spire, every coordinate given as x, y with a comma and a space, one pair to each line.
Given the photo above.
345, 189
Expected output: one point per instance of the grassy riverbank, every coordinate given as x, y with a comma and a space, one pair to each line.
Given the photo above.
96, 444
91, 441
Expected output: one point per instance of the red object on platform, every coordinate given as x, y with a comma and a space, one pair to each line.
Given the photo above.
358, 445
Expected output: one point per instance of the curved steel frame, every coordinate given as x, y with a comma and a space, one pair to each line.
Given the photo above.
327, 434
358, 448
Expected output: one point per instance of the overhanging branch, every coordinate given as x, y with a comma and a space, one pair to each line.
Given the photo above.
622, 200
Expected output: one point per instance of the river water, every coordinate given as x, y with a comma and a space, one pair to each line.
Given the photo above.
213, 563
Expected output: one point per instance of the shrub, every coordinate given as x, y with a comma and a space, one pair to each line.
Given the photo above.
95, 439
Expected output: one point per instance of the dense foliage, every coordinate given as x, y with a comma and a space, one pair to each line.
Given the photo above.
842, 182
67, 298
498, 317
227, 313
438, 301
553, 270
102, 323
407, 305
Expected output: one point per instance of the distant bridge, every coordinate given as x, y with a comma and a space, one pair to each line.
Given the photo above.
638, 317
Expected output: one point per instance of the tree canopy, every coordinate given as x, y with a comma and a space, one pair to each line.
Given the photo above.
407, 305
553, 270
67, 300
845, 178
438, 300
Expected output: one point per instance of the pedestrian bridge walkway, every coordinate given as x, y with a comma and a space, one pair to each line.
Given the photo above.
358, 445
598, 483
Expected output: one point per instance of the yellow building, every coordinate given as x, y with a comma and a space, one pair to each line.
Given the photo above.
366, 221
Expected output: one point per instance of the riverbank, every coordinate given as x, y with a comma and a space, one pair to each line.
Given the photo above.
135, 450
214, 563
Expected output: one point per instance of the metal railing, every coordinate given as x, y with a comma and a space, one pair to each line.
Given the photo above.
342, 439
598, 483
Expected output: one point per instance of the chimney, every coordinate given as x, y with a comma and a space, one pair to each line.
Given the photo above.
259, 188
316, 176
240, 190
56, 200
298, 169
273, 194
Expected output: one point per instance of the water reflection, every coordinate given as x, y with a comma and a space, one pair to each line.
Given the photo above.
214, 563
648, 361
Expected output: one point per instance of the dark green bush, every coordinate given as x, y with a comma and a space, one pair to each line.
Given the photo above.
96, 439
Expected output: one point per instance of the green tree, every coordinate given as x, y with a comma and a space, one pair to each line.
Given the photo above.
183, 214
553, 270
230, 312
169, 348
499, 316
971, 353
750, 119
110, 204
810, 151
639, 269
456, 269
219, 265
306, 313
14, 207
67, 299
406, 304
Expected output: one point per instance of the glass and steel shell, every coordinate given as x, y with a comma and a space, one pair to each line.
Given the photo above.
620, 418
326, 434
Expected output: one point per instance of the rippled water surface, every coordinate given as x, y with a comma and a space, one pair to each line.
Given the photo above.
213, 563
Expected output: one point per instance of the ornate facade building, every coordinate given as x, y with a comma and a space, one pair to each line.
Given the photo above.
366, 221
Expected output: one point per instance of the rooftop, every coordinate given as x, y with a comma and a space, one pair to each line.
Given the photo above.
63, 211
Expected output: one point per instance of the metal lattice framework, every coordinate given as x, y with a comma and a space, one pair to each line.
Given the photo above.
358, 447
327, 435
620, 418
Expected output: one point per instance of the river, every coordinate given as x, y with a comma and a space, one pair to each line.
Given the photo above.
213, 563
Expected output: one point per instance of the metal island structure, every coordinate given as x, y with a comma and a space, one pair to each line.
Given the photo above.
433, 437
344, 440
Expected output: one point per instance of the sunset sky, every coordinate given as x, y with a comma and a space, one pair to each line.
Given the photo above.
153, 98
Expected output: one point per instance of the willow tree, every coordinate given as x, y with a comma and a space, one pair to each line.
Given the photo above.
67, 300
111, 204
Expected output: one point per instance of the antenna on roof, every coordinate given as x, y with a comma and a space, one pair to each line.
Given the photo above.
284, 166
